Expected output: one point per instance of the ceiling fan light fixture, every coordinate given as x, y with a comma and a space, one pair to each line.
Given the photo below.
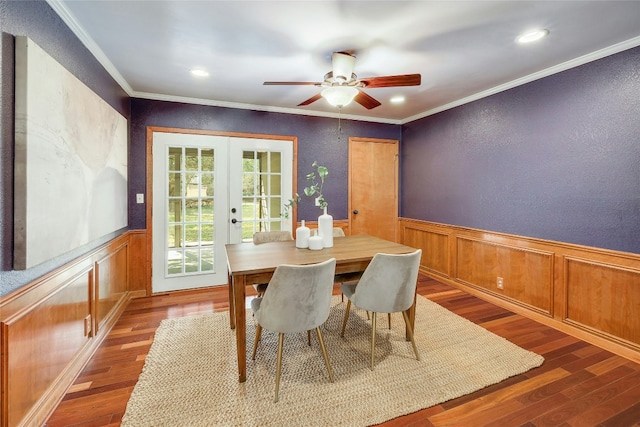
339, 96
532, 36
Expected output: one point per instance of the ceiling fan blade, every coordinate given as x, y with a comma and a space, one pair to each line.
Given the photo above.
366, 101
311, 100
292, 83
392, 81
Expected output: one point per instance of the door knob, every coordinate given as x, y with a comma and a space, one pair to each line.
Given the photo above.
355, 211
233, 221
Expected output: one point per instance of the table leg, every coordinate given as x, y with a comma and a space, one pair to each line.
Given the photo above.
232, 303
239, 283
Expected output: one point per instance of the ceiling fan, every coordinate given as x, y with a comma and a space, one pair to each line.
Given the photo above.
341, 86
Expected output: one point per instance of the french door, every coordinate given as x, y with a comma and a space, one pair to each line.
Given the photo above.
261, 177
209, 191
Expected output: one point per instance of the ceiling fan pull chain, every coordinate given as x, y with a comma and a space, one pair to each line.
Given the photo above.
339, 122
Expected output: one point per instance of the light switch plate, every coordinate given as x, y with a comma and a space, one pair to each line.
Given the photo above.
140, 198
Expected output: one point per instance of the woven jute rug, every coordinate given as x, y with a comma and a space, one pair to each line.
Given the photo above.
190, 376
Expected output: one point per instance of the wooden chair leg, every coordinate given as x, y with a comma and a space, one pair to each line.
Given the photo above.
309, 338
325, 355
373, 335
279, 363
410, 331
389, 320
255, 342
346, 316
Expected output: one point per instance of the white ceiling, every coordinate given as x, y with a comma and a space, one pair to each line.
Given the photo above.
464, 50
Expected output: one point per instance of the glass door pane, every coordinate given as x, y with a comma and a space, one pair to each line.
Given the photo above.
190, 199
261, 192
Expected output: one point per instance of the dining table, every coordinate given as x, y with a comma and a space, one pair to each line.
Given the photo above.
249, 263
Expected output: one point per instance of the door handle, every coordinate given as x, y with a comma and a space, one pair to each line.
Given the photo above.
355, 211
233, 221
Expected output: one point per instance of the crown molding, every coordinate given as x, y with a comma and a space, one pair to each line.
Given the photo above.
89, 43
576, 62
271, 109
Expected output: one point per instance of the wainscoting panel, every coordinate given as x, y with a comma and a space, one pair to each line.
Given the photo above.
50, 328
139, 267
526, 274
436, 242
43, 340
111, 282
591, 293
604, 298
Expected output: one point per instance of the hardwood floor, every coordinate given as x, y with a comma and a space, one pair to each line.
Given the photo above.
578, 385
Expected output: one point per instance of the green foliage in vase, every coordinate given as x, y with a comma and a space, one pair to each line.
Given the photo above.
313, 190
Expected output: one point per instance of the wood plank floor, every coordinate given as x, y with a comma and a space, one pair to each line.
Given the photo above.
578, 385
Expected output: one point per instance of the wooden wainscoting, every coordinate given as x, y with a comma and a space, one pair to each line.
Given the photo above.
527, 273
50, 328
139, 264
603, 298
591, 293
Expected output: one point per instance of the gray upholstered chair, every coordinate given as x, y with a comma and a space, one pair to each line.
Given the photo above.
265, 237
388, 285
297, 299
345, 277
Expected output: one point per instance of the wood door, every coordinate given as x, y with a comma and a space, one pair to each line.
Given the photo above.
373, 187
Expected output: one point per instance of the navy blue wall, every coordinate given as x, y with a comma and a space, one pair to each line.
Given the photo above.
557, 159
318, 139
36, 20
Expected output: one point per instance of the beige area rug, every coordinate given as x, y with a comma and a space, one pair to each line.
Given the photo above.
190, 374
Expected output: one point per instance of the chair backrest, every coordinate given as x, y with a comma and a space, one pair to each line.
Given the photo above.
338, 232
271, 236
388, 284
298, 297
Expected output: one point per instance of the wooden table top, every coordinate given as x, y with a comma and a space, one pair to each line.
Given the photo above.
248, 258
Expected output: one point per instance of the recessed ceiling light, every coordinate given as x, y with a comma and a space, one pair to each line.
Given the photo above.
532, 36
198, 72
399, 99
